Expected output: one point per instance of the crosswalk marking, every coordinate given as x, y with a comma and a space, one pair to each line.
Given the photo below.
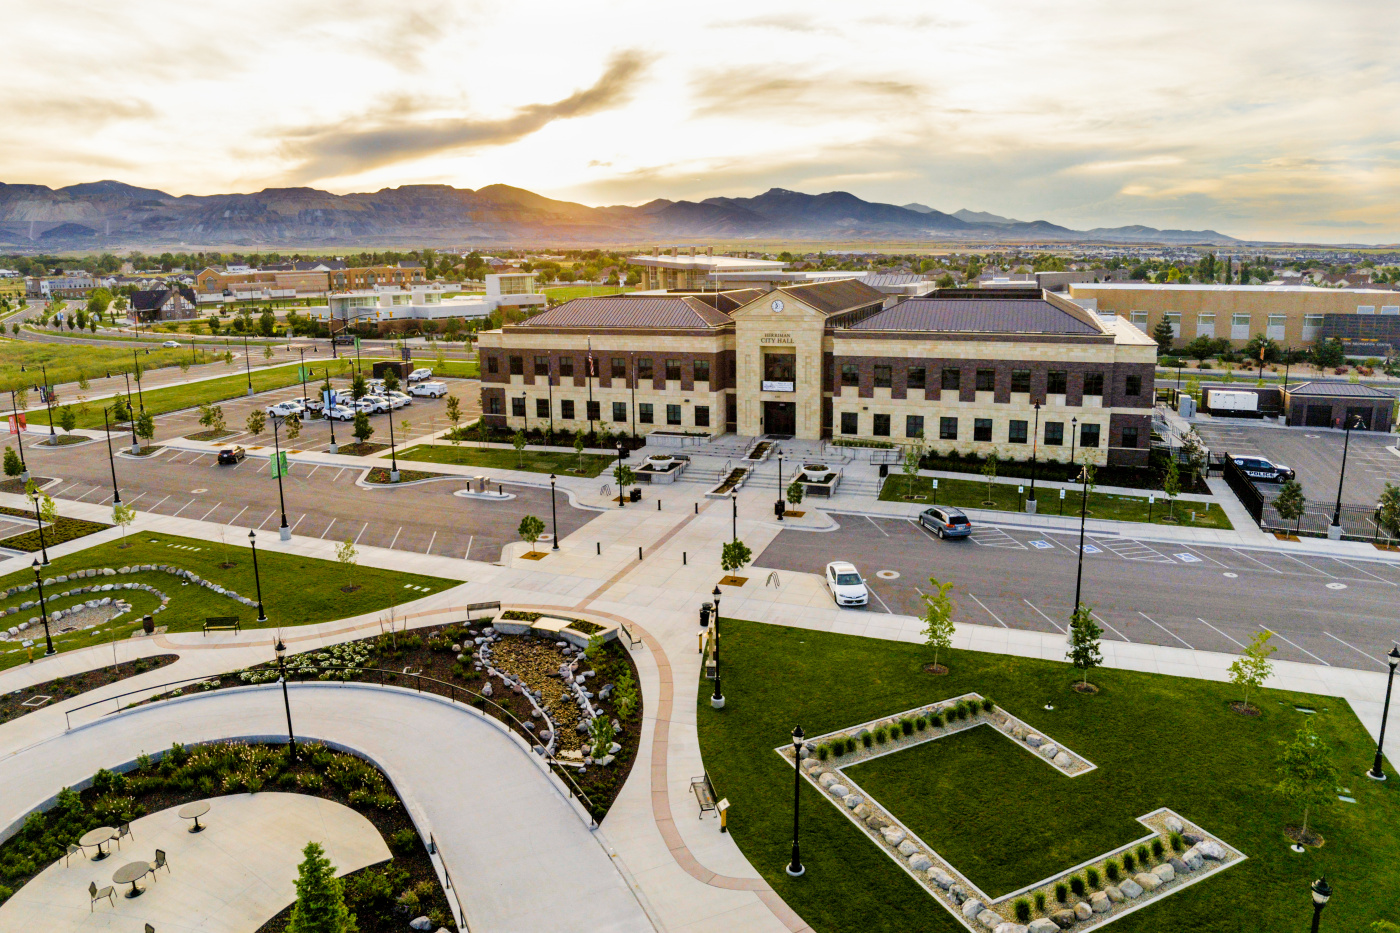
995, 537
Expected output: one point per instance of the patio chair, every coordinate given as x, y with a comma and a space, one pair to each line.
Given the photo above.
68, 859
94, 895
123, 829
160, 862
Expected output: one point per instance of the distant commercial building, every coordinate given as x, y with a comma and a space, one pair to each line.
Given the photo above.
403, 275
513, 289
62, 286
163, 304
214, 285
384, 304
1292, 315
1337, 405
687, 269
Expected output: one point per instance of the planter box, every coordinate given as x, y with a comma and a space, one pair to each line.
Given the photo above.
730, 483
651, 472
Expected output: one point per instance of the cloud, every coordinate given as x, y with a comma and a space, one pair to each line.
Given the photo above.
784, 91
78, 109
347, 148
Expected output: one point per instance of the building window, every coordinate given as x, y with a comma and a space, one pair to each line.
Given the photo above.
1312, 323
673, 370
566, 409
619, 367
1054, 433
1020, 380
947, 429
850, 374
1093, 384
1205, 325
702, 416
779, 368
541, 366
881, 426
1365, 309
1239, 326
850, 422
1277, 323
566, 365
1056, 382
913, 425
493, 364
915, 379
952, 379
644, 413
1016, 433
732, 367
1088, 435
673, 414
702, 370
619, 411
541, 408
644, 369
1138, 318
986, 380
595, 411
1132, 386
982, 429
493, 405
882, 377
1174, 319
517, 366
1130, 437
517, 407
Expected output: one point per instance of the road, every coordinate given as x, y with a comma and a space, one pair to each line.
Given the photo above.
1322, 610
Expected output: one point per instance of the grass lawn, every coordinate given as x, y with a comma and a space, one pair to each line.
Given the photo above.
465, 369
972, 494
66, 362
533, 461
296, 590
1157, 741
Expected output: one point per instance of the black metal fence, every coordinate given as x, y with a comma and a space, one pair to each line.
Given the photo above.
1359, 522
1250, 497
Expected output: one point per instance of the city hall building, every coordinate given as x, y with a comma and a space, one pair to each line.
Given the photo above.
971, 370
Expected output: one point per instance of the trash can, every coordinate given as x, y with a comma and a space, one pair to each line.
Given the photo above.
705, 610
884, 470
635, 495
779, 508
148, 624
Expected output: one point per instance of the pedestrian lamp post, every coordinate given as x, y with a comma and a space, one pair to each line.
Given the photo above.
553, 513
43, 612
284, 531
111, 461
39, 521
136, 371
131, 416
621, 499
1334, 531
1377, 773
717, 699
1321, 894
257, 581
281, 651
326, 413
19, 437
1083, 511
795, 869
779, 507
393, 450
734, 514
247, 365
48, 396
1035, 444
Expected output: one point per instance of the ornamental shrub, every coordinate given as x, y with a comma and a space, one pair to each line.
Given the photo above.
1111, 870
906, 725
960, 710
987, 704
1023, 910
867, 740
1177, 842
850, 745
1040, 901
1076, 884
1157, 848
921, 722
881, 735
823, 751
1128, 863
935, 719
1061, 892
1144, 859
1092, 876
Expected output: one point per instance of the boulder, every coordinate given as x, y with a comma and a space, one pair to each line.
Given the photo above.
877, 821
941, 878
1083, 911
862, 811
420, 923
1049, 750
1148, 880
1130, 888
1193, 838
827, 779
907, 848
1100, 903
990, 919
1043, 926
971, 908
1178, 865
838, 790
1211, 850
920, 862
893, 835
853, 800
957, 893
811, 765
1064, 919
1174, 825
1062, 760
1114, 894
1034, 741
1008, 927
1164, 872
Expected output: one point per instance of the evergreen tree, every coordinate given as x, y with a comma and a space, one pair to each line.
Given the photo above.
1164, 336
320, 904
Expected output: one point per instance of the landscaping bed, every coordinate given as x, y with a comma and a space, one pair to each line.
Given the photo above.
380, 476
183, 775
12, 705
1157, 741
146, 450
61, 440
361, 450
209, 435
495, 458
15, 486
1145, 478
64, 529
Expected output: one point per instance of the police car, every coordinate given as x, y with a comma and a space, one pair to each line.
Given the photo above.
1266, 470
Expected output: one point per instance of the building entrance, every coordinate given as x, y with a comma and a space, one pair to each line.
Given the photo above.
780, 418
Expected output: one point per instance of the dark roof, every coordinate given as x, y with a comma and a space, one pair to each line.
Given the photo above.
888, 279
834, 297
1341, 389
410, 264
979, 315
155, 298
728, 301
681, 312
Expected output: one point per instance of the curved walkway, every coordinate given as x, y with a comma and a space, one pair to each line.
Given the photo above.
522, 851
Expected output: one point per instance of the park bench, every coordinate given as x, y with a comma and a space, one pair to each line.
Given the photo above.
481, 607
221, 624
704, 793
632, 640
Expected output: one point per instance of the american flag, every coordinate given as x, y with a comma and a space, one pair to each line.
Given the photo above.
592, 365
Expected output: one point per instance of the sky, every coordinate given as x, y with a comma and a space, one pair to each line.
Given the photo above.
1277, 120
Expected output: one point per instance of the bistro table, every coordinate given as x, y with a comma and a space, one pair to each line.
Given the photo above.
98, 837
193, 811
131, 873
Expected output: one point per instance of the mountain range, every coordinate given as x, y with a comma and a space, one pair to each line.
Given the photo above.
111, 214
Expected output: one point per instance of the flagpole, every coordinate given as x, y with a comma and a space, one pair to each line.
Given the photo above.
591, 365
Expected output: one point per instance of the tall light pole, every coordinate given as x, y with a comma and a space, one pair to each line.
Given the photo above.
1321, 894
111, 461
284, 531
131, 416
795, 869
553, 513
48, 395
621, 499
247, 366
281, 651
43, 612
1083, 511
257, 581
1035, 446
717, 699
1377, 773
1334, 531
779, 506
326, 411
39, 520
393, 449
136, 371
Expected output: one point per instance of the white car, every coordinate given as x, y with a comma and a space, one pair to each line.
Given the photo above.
170, 344
429, 389
418, 375
846, 585
375, 386
372, 404
283, 409
341, 413
398, 399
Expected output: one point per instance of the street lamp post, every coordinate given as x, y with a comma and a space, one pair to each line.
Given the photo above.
1035, 447
621, 499
553, 513
393, 449
326, 413
284, 531
257, 581
136, 371
111, 461
1334, 531
48, 395
796, 869
281, 651
39, 520
1083, 511
43, 612
1377, 773
1321, 894
779, 507
734, 514
247, 366
131, 416
717, 699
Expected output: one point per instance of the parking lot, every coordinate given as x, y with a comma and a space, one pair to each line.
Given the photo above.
1323, 610
1316, 455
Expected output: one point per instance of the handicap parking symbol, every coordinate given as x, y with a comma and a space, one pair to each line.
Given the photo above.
1042, 545
1090, 549
1187, 558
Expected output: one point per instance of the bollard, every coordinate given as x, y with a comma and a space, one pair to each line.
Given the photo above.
600, 548
682, 558
697, 508
639, 552
658, 505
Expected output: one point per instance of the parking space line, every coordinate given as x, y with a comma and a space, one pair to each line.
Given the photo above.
1110, 628
1226, 634
396, 538
88, 493
1167, 630
240, 512
1309, 566
1367, 572
66, 488
362, 531
313, 470
337, 476
328, 530
268, 519
264, 466
988, 611
133, 500
468, 555
1133, 549
1357, 650
157, 505
920, 526
430, 543
1201, 553
1256, 560
104, 500
210, 512
877, 596
183, 507
877, 527
1043, 615
303, 515
1300, 648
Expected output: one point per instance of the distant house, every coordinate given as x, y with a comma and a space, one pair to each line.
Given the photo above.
163, 304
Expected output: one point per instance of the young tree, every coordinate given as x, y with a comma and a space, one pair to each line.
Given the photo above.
320, 904
1084, 634
624, 476
1390, 507
267, 352
989, 470
119, 410
1196, 454
13, 467
518, 442
938, 620
1171, 485
48, 511
346, 555
67, 419
267, 326
1252, 667
83, 382
1164, 336
795, 492
292, 426
600, 731
212, 417
454, 415
1307, 774
391, 380
358, 389
363, 432
578, 449
1291, 504
530, 530
734, 556
912, 456
123, 515
146, 426
257, 420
